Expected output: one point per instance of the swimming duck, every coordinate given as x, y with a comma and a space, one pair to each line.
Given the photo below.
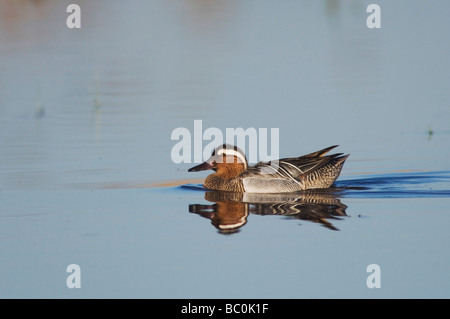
233, 174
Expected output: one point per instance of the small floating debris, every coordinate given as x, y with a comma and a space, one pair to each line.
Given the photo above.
430, 132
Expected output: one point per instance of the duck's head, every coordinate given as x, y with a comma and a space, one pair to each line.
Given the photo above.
226, 160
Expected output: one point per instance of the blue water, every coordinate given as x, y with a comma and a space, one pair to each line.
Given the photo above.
87, 178
398, 185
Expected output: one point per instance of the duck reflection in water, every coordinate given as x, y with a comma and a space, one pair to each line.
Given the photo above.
230, 211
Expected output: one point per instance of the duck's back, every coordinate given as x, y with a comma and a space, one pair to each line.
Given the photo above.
293, 174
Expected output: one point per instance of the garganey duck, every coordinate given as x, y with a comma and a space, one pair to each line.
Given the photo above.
233, 174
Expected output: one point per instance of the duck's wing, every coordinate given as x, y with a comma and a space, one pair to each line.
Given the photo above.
295, 167
320, 153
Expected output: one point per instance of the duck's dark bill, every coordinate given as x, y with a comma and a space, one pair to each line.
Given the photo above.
201, 167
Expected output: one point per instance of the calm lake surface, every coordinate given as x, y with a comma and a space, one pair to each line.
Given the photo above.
87, 177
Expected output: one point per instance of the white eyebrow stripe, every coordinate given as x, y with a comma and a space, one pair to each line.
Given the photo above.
232, 152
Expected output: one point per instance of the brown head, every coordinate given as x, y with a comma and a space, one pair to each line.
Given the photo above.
226, 160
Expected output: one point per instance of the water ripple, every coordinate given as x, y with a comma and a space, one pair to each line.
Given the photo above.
397, 185
392, 185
